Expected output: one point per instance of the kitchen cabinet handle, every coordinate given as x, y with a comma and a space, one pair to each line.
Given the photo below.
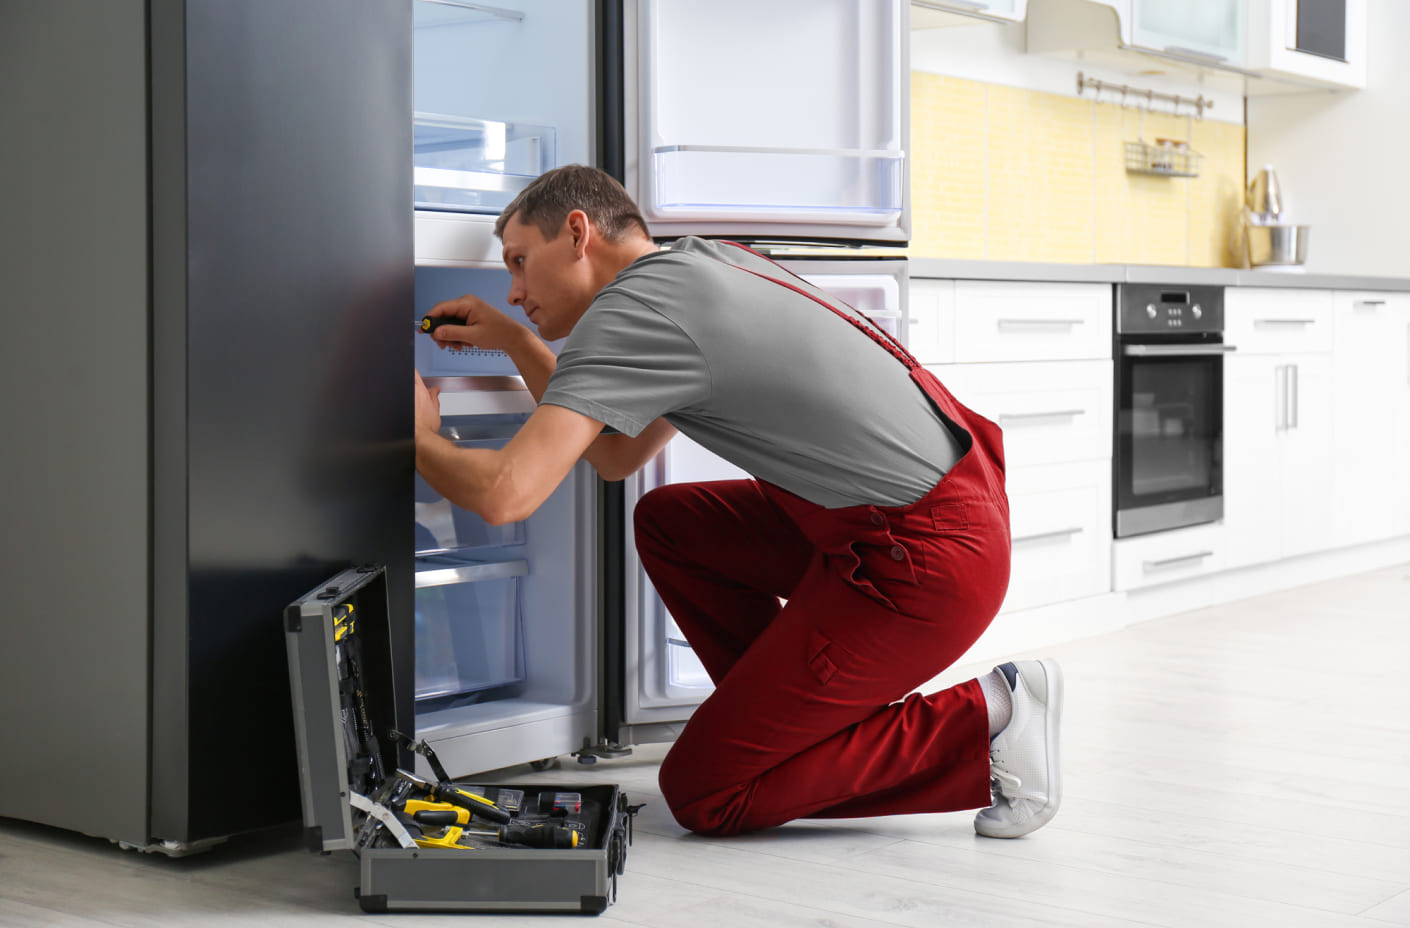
471, 573
1030, 416
1026, 322
1044, 536
1148, 351
1280, 397
1292, 396
1163, 563
1285, 322
1367, 304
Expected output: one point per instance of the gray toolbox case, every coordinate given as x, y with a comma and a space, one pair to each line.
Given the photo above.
341, 675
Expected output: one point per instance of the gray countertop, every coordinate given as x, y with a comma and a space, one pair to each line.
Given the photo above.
947, 269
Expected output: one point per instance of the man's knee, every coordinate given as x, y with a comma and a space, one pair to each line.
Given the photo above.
709, 816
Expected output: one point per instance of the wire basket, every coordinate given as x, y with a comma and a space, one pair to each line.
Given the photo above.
1167, 159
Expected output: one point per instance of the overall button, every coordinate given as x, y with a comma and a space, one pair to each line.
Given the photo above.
878, 519
898, 553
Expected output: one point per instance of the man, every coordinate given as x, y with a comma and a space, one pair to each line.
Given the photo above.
870, 553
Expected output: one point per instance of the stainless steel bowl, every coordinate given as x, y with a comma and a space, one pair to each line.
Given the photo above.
1276, 244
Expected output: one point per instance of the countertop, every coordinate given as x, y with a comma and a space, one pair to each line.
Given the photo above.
948, 269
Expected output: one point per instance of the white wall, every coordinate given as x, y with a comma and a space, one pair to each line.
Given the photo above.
1341, 158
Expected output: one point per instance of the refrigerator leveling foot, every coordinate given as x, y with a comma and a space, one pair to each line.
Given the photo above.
609, 750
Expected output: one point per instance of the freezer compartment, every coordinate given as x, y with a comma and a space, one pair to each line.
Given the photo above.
442, 526
763, 184
476, 165
469, 627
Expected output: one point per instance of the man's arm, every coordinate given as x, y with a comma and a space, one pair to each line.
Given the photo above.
509, 484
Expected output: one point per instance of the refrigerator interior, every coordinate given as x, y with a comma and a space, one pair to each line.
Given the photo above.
505, 647
797, 139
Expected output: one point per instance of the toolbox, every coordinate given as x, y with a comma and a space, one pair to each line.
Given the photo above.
428, 844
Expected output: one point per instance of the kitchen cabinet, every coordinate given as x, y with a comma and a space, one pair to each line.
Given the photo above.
930, 330
1123, 34
1024, 321
1167, 557
1278, 431
1369, 385
1313, 43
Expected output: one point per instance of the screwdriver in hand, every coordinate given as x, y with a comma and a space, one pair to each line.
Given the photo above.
431, 323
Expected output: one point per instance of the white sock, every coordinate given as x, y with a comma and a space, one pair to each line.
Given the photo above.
998, 698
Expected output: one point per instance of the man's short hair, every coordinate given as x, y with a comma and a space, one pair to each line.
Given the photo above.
551, 196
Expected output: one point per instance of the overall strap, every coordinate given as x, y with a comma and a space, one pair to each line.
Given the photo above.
894, 347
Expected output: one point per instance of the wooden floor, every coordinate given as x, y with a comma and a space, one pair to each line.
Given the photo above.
1242, 765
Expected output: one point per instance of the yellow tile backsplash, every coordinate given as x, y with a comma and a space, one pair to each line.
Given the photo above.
1006, 174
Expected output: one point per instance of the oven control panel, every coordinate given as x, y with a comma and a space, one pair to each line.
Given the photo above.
1156, 309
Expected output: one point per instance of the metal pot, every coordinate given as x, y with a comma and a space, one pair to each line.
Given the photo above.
1276, 244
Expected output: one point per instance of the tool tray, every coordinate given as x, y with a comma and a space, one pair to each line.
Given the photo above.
355, 773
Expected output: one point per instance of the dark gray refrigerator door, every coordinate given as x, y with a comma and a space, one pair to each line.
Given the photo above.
288, 340
207, 256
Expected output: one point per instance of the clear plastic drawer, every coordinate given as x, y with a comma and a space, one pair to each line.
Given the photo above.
469, 626
443, 527
476, 165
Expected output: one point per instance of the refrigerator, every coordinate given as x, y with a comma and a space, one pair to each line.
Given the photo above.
297, 182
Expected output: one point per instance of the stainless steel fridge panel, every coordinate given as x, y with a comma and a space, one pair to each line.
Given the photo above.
73, 366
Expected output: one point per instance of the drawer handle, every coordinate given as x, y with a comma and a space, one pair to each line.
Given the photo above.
1029, 416
1044, 536
1027, 322
1368, 304
1174, 561
1285, 322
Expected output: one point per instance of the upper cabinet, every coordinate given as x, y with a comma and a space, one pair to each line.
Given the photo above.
926, 14
1253, 47
1317, 43
1202, 34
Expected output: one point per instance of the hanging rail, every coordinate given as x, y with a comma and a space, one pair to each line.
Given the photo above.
1200, 103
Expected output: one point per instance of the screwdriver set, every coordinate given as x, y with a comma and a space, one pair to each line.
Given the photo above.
428, 843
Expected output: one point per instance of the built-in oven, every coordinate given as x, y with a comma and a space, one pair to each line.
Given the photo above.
1167, 453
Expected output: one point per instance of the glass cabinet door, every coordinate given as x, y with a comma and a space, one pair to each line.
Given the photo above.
1210, 29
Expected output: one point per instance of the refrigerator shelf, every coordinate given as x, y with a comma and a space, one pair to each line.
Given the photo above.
465, 164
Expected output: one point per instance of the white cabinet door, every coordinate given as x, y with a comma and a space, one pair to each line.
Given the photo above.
1305, 455
1208, 30
1021, 321
1398, 409
1061, 520
783, 119
931, 326
1365, 388
1253, 422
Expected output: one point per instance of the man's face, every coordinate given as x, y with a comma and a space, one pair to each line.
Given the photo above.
549, 279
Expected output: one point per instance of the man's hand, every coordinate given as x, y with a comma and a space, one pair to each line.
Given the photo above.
485, 327
428, 407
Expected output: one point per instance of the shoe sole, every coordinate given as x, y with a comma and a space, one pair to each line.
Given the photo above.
1052, 714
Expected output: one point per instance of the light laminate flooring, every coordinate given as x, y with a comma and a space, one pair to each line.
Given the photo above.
1241, 765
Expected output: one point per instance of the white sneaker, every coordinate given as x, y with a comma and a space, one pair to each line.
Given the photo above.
1023, 757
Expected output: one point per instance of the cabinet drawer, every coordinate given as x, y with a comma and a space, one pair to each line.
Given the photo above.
1165, 557
1260, 320
931, 328
1050, 411
1002, 321
1061, 518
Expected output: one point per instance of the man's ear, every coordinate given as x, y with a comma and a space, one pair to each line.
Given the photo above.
580, 228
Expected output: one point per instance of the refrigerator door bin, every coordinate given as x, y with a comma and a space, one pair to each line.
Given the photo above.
469, 627
340, 670
476, 165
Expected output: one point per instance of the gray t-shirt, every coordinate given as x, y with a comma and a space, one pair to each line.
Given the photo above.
758, 374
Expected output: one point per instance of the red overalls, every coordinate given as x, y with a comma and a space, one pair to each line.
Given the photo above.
805, 720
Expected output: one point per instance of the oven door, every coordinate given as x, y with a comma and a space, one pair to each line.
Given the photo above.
1168, 442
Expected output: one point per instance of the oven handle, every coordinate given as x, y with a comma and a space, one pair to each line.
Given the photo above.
1165, 351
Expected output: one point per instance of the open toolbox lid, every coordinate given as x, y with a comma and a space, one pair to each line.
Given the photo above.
336, 727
